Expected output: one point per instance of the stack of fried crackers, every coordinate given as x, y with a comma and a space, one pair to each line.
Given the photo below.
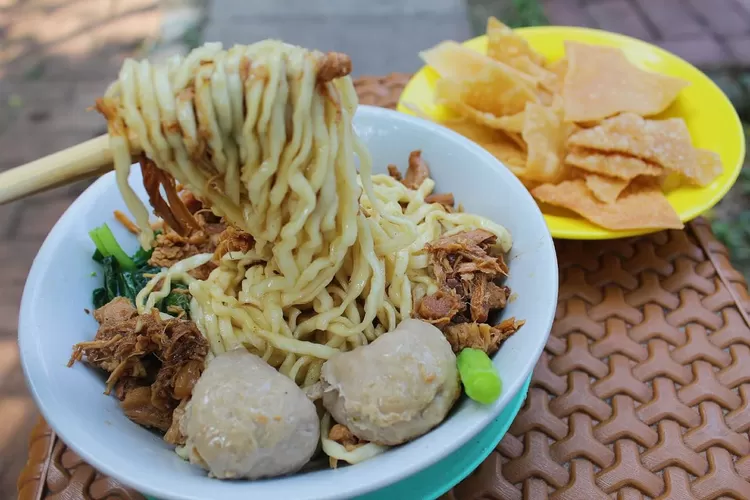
576, 131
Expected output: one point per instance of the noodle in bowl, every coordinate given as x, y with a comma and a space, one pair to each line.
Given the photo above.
338, 268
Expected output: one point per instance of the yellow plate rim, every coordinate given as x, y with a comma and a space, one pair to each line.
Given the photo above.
596, 232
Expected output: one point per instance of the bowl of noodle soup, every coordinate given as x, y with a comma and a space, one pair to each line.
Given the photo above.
63, 275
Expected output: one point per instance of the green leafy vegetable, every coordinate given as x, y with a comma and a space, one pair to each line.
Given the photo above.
107, 246
125, 276
481, 381
178, 298
141, 256
97, 257
100, 298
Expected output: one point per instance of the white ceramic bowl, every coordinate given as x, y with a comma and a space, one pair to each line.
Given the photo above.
59, 287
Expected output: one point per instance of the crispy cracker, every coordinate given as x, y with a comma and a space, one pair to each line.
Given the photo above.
709, 167
496, 143
611, 164
545, 137
508, 152
510, 123
637, 208
601, 82
560, 69
452, 60
528, 184
517, 137
605, 189
548, 81
504, 45
490, 94
664, 142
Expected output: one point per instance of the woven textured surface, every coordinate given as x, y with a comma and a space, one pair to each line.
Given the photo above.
643, 390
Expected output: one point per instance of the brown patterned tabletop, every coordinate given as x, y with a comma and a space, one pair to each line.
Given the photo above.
643, 390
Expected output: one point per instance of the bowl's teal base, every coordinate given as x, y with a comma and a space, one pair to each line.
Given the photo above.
447, 473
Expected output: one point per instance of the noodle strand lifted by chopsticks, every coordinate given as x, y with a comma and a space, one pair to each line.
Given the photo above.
263, 136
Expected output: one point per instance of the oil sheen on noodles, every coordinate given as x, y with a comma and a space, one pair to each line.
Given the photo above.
334, 251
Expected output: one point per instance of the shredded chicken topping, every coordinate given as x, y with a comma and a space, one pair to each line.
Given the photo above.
417, 172
343, 436
152, 364
212, 235
468, 269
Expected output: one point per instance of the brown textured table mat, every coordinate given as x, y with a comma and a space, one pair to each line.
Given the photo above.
643, 390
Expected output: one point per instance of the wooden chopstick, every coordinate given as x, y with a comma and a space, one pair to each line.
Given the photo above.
88, 159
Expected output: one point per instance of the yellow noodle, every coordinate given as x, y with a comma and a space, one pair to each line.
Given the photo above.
336, 260
338, 452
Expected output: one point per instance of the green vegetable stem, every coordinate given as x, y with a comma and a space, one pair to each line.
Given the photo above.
125, 276
481, 381
107, 246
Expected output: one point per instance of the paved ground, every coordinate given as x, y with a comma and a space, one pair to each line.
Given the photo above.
710, 33
357, 28
56, 56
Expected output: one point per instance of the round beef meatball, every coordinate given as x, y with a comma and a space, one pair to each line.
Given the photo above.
395, 389
246, 420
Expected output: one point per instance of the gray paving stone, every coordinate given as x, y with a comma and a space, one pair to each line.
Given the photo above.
55, 57
701, 50
724, 17
253, 9
567, 13
740, 49
744, 6
25, 143
671, 18
16, 258
377, 45
37, 219
54, 104
620, 17
9, 215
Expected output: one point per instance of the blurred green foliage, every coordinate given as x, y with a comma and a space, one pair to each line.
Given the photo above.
514, 13
733, 228
526, 13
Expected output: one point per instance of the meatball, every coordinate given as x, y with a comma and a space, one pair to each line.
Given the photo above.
246, 420
395, 389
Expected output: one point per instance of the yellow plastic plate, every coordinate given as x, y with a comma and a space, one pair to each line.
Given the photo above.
710, 117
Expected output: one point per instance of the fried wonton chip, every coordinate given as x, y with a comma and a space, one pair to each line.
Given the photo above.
507, 151
452, 60
559, 68
545, 137
547, 80
641, 207
491, 94
664, 142
517, 137
504, 45
611, 164
510, 123
709, 167
601, 82
496, 143
529, 185
605, 189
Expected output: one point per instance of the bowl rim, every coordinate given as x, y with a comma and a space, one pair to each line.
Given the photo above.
77, 437
686, 215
